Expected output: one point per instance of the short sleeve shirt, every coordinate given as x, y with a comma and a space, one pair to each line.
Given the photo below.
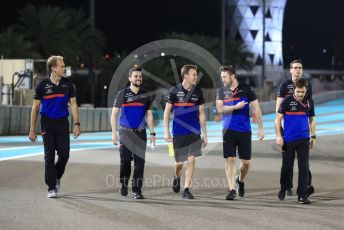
238, 120
287, 88
133, 108
186, 109
55, 98
296, 118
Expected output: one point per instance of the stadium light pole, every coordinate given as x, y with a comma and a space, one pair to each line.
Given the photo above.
223, 32
263, 47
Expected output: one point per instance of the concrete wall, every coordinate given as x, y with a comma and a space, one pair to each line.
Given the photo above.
15, 120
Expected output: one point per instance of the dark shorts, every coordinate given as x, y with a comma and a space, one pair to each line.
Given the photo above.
233, 140
185, 146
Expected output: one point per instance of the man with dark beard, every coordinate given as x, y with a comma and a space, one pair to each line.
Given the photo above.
233, 100
135, 106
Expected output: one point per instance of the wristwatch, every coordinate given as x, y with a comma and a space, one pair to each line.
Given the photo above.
153, 134
314, 136
77, 123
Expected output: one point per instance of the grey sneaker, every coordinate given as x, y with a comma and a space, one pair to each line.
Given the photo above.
52, 193
187, 194
231, 195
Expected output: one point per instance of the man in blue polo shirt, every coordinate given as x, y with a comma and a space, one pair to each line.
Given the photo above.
233, 100
298, 136
286, 89
187, 102
54, 94
135, 106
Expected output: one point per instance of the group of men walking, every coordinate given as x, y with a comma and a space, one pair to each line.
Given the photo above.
295, 128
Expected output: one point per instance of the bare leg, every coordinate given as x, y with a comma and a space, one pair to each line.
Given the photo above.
178, 166
190, 167
230, 172
244, 167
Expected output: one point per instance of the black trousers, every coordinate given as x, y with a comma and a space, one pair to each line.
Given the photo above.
132, 147
55, 133
291, 175
301, 147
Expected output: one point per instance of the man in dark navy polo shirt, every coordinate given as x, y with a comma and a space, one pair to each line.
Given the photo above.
286, 89
135, 106
298, 136
233, 100
187, 102
54, 94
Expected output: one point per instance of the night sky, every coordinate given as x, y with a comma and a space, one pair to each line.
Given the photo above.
313, 29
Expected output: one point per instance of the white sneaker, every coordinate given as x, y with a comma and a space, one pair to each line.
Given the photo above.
58, 185
52, 193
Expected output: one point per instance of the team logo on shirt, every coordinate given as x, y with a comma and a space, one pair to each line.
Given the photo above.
194, 97
293, 106
47, 86
180, 96
228, 94
49, 90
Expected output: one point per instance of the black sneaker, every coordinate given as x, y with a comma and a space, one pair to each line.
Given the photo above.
310, 190
303, 200
231, 195
240, 187
289, 192
187, 194
176, 184
281, 195
123, 190
138, 196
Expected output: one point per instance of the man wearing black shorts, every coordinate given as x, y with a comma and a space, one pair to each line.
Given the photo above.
54, 94
232, 100
188, 107
135, 106
286, 89
298, 137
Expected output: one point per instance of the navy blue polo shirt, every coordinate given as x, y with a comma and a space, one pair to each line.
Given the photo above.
186, 109
287, 88
55, 98
133, 108
296, 118
238, 120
